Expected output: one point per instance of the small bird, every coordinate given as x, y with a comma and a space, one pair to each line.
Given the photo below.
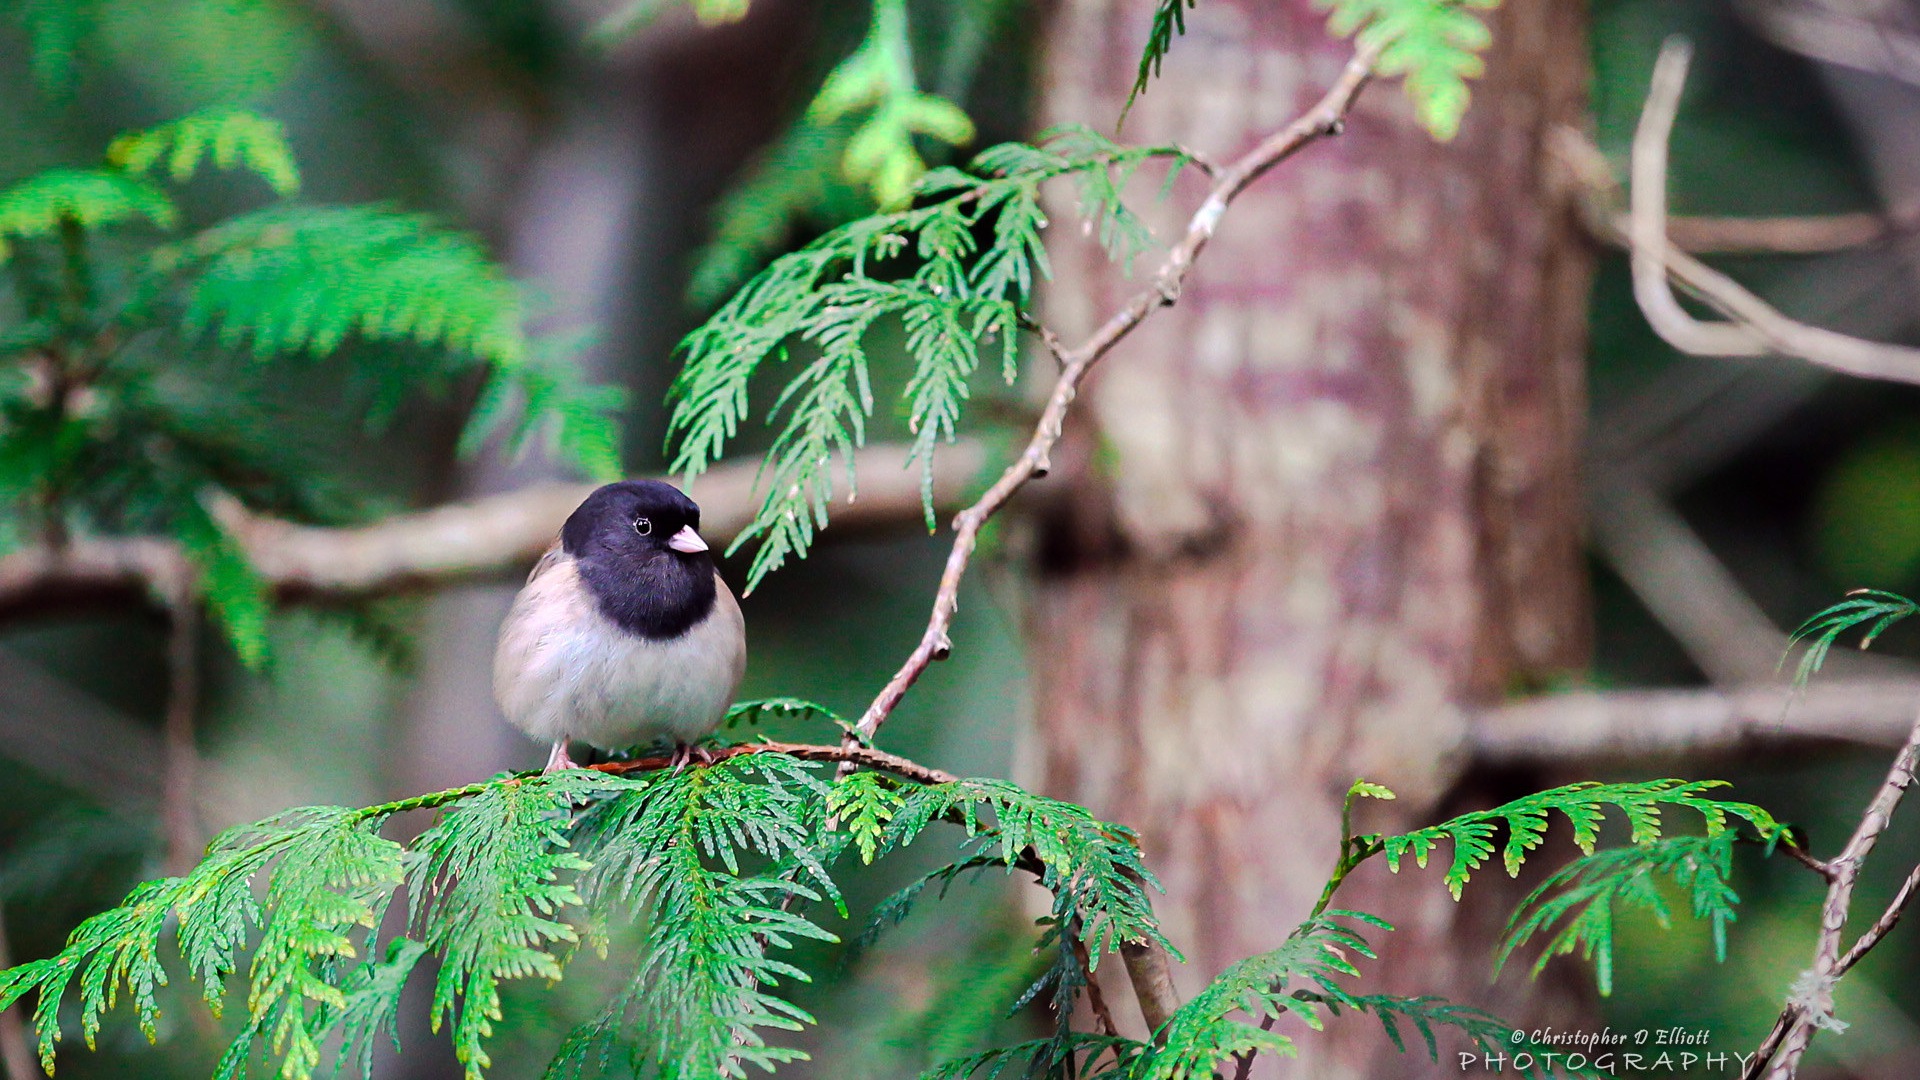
624, 633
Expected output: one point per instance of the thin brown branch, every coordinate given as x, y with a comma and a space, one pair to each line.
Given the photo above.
1811, 1005
1589, 726
1680, 581
179, 807
1797, 234
485, 535
851, 755
1323, 119
1149, 970
1096, 1000
1756, 328
1882, 926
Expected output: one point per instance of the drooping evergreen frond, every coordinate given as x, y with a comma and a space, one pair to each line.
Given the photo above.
227, 581
1094, 865
1584, 805
1874, 608
1169, 22
1577, 906
229, 138
1203, 1032
301, 279
877, 82
751, 713
80, 199
329, 888
1106, 1057
676, 845
483, 882
853, 149
487, 888
332, 875
1093, 869
922, 268
1434, 44
1485, 1032
1301, 978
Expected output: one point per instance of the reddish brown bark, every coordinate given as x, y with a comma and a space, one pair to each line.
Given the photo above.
1332, 497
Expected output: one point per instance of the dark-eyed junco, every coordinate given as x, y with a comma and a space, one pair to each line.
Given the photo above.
624, 633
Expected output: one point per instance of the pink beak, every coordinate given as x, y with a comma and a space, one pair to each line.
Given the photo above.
687, 540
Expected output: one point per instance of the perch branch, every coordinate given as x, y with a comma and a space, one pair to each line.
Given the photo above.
1323, 119
1811, 1005
1756, 328
457, 540
846, 755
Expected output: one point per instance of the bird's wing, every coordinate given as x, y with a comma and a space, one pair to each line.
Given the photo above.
546, 561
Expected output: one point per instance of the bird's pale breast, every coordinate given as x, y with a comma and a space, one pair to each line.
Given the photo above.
563, 669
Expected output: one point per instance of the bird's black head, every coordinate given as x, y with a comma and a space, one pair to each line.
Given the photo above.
639, 551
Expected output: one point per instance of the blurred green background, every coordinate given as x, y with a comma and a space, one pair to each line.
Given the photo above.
592, 160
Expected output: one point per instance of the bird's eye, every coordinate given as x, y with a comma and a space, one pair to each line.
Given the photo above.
643, 526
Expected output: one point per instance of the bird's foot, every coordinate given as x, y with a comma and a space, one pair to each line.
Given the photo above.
685, 754
557, 760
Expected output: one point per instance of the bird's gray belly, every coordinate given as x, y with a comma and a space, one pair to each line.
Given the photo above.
594, 682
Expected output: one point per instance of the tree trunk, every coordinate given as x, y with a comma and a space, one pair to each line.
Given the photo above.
1329, 500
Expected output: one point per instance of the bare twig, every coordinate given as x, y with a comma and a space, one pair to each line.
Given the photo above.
1757, 328
1096, 1000
1886, 922
1681, 582
1811, 1005
179, 807
1323, 119
1798, 234
448, 542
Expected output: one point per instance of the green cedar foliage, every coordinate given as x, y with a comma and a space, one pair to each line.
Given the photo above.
955, 272
860, 143
723, 866
950, 267
1875, 609
1577, 905
1584, 806
134, 356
